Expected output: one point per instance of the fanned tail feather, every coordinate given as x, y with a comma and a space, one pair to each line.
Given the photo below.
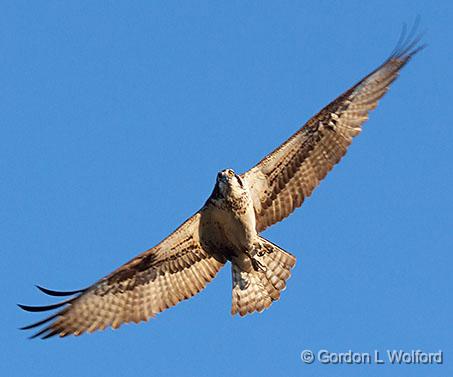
255, 290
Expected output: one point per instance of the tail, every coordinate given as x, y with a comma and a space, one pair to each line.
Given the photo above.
257, 285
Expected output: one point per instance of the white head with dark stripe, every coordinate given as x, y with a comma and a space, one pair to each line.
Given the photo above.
229, 183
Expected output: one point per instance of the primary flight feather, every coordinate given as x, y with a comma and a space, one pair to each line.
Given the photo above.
227, 227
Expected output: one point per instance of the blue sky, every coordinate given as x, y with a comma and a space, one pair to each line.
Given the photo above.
117, 117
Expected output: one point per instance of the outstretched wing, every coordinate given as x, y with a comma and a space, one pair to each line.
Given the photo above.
282, 180
158, 279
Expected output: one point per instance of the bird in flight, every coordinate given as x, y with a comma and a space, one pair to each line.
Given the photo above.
228, 226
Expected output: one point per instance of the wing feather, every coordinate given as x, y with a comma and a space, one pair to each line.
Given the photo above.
281, 181
156, 280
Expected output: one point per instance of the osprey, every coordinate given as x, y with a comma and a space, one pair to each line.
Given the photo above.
227, 227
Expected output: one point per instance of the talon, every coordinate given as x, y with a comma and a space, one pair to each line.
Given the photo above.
257, 265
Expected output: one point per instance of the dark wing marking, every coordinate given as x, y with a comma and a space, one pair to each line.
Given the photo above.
158, 279
280, 182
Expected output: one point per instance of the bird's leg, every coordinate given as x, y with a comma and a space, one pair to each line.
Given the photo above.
256, 264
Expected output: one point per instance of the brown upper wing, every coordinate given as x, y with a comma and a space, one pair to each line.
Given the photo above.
158, 279
280, 182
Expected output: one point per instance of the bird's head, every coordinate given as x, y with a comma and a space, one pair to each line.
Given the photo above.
229, 182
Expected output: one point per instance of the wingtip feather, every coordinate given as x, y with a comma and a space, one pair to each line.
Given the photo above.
51, 292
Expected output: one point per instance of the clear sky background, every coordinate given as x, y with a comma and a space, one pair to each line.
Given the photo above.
116, 117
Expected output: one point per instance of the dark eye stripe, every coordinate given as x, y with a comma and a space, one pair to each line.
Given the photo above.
239, 180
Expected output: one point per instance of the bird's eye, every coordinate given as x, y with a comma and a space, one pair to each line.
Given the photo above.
230, 173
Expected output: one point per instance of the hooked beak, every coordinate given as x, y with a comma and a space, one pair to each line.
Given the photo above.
222, 178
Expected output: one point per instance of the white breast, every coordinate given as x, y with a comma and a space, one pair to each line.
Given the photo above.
240, 225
